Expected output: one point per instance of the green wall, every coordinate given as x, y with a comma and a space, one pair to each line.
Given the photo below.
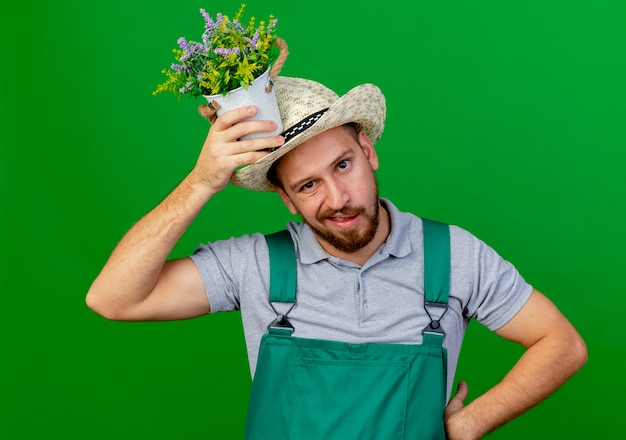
506, 118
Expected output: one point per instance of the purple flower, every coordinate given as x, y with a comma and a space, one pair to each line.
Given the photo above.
226, 52
179, 68
239, 27
210, 24
186, 88
196, 48
182, 42
254, 41
272, 25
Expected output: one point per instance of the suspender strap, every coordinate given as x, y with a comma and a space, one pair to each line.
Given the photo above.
436, 261
282, 278
436, 277
282, 267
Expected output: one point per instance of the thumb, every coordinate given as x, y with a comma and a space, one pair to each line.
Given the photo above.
458, 401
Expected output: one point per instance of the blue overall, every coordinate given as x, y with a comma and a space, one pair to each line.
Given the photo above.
324, 390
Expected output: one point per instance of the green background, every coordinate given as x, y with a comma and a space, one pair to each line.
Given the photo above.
505, 118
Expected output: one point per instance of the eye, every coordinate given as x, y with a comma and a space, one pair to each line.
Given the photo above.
342, 165
307, 186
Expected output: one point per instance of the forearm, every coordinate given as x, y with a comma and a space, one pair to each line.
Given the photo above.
543, 368
135, 265
137, 283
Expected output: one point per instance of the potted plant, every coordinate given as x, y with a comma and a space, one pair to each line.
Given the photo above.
233, 65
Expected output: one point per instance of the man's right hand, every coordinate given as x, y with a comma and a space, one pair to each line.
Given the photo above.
224, 151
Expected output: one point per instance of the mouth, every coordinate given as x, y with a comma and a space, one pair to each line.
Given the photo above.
343, 221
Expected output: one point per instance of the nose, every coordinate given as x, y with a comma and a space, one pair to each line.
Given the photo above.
336, 194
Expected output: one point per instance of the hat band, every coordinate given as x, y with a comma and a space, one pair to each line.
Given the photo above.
303, 125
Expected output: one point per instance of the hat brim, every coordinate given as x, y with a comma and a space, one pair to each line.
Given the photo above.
364, 105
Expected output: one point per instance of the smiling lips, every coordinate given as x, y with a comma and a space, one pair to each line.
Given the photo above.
344, 218
343, 221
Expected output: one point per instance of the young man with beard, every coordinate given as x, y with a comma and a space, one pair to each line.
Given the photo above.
355, 345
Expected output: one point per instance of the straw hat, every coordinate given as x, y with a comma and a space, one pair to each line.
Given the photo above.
308, 108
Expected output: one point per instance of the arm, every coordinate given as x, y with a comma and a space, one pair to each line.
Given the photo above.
554, 352
137, 283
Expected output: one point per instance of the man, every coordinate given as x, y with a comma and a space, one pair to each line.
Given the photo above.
360, 267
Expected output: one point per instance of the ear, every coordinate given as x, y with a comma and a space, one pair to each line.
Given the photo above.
368, 149
286, 200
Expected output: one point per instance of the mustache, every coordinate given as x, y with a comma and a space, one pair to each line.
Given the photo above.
346, 211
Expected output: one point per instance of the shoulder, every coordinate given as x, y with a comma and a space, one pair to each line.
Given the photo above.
409, 225
233, 249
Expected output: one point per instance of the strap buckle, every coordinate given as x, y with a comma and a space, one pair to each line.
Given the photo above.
282, 323
435, 322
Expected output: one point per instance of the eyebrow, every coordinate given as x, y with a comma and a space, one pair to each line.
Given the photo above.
343, 154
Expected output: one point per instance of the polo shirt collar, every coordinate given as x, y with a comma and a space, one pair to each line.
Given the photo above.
398, 243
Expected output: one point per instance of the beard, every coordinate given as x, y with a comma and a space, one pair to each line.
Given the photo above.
349, 240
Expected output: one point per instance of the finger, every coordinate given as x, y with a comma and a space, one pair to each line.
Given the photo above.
232, 117
266, 143
252, 127
457, 402
248, 158
462, 391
